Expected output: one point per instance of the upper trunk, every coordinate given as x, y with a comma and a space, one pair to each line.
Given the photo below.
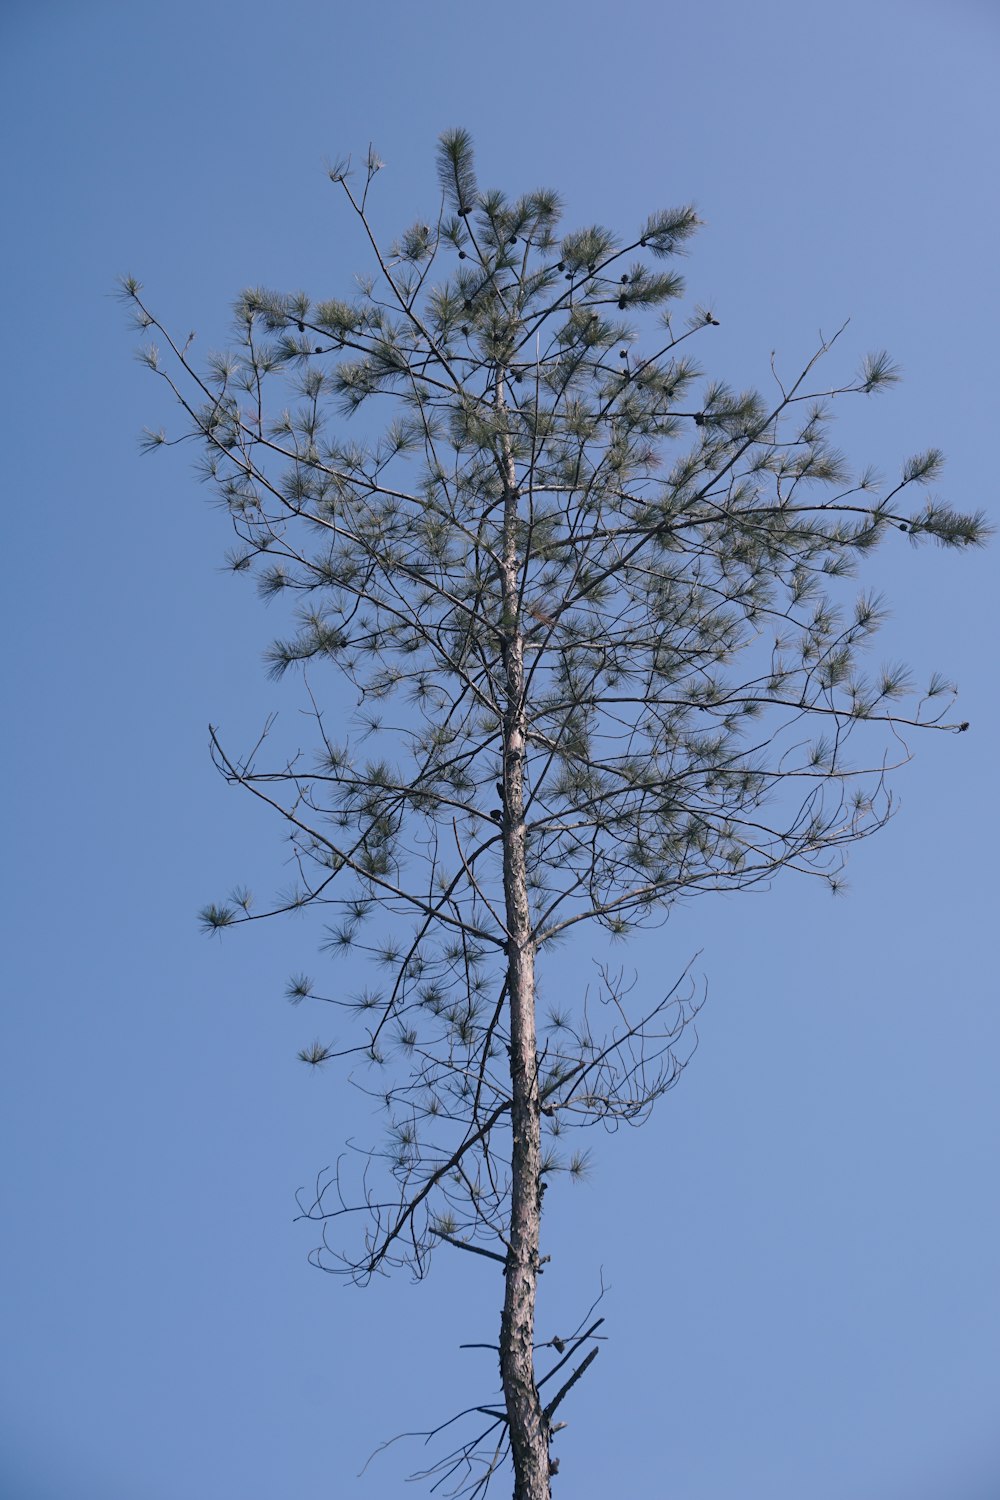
528, 1427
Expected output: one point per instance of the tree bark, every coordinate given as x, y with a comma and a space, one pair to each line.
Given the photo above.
529, 1436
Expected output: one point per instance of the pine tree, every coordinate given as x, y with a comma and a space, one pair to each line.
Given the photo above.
603, 596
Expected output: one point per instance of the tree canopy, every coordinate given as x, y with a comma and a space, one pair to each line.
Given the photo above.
596, 611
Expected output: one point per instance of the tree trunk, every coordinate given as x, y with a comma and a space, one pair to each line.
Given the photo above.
527, 1424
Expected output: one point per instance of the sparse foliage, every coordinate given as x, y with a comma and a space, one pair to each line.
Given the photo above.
591, 604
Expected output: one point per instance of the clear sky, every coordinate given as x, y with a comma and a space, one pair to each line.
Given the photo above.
803, 1247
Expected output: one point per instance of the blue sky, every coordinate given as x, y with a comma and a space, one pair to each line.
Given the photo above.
802, 1247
